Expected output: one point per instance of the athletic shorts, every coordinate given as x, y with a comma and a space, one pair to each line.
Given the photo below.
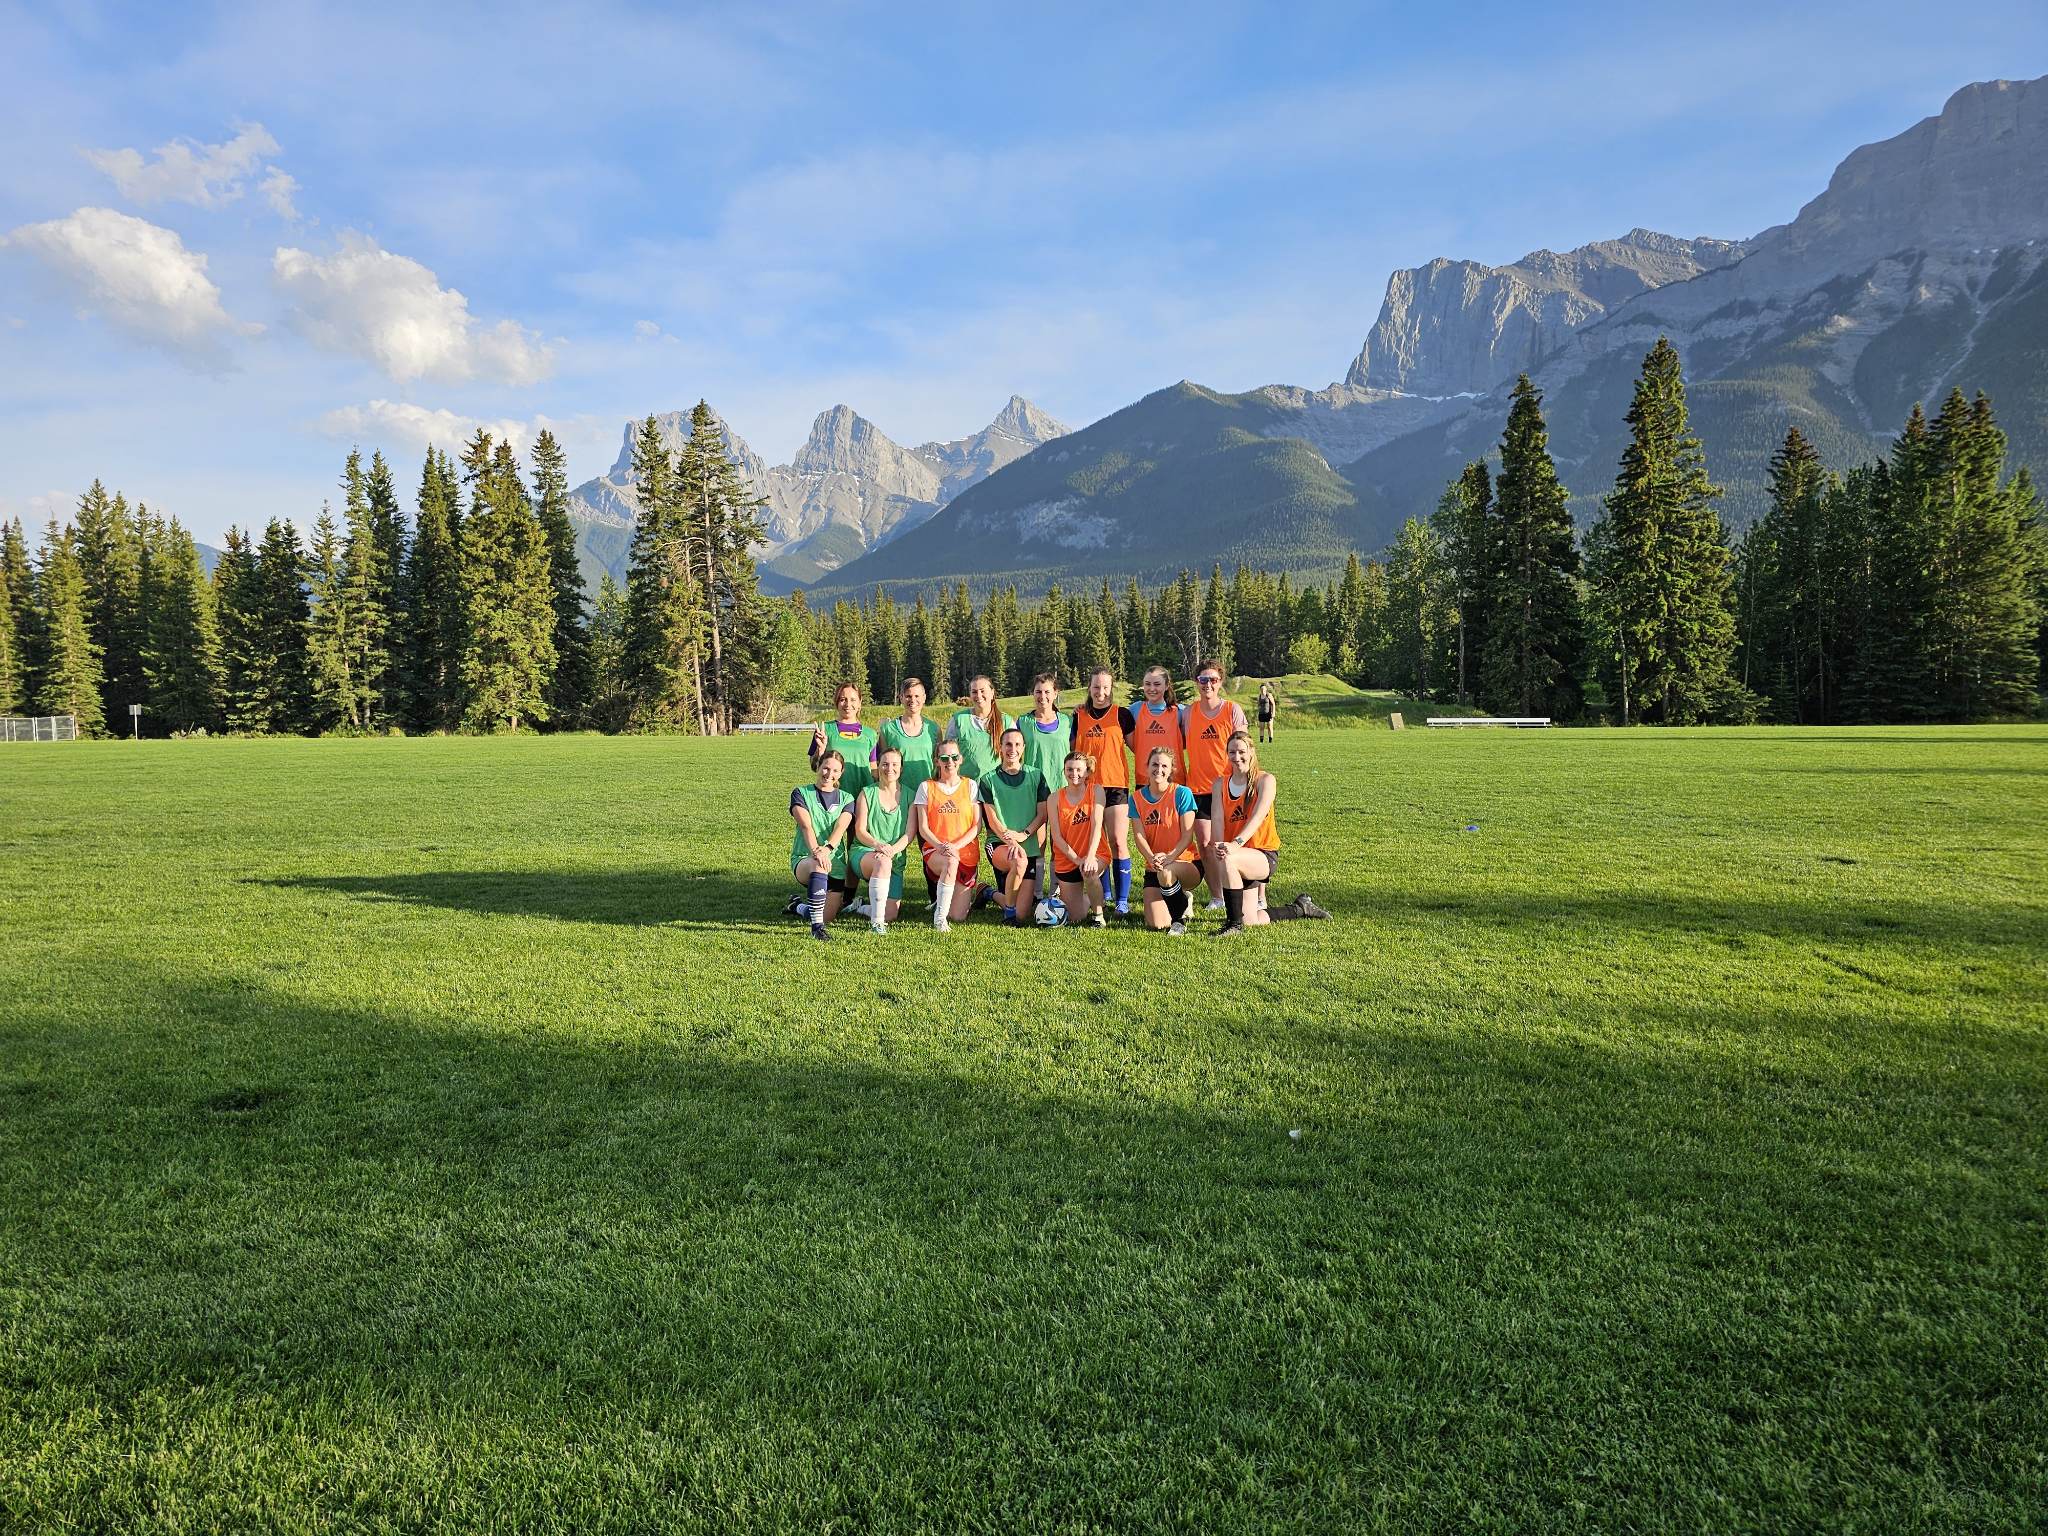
1152, 881
1116, 797
1272, 863
1030, 865
1067, 876
970, 861
837, 864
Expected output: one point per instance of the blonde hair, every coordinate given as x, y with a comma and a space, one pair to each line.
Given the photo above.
1251, 774
993, 725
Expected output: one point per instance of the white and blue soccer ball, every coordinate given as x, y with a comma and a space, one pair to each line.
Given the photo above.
1050, 912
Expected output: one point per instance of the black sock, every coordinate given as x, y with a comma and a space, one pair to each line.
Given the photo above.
1177, 904
1233, 907
819, 882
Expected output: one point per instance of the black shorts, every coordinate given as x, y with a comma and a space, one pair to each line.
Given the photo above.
998, 876
1272, 863
1152, 882
1116, 797
1066, 876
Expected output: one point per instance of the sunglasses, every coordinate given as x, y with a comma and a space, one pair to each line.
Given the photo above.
1208, 677
949, 757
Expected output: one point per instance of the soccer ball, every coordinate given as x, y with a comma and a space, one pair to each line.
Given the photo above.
1050, 913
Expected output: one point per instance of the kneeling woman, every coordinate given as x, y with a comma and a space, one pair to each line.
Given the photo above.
1165, 813
1013, 799
1077, 842
881, 825
1249, 850
948, 815
822, 811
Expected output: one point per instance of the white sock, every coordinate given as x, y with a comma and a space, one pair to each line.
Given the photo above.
878, 899
942, 903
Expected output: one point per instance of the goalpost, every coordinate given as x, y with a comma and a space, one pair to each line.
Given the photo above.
38, 727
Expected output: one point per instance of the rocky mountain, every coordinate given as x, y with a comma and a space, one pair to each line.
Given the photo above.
1918, 269
847, 490
1459, 328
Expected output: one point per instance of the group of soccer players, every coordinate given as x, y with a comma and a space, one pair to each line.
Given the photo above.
1054, 796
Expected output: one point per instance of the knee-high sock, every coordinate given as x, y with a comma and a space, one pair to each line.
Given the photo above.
1108, 885
1233, 903
819, 881
942, 901
1123, 882
878, 896
1177, 903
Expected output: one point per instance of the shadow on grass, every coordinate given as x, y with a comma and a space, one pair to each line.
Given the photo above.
635, 897
1525, 1272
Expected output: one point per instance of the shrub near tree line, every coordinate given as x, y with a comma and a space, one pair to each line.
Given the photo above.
1910, 589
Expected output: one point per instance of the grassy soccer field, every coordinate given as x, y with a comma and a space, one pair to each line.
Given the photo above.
450, 1134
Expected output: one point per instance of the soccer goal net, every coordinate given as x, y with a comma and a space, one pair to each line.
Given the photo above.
38, 727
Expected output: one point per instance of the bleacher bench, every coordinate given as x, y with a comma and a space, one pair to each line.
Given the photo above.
1525, 722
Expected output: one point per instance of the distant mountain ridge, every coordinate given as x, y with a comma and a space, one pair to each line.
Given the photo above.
1920, 266
850, 488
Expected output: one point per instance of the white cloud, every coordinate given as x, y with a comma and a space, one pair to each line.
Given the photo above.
415, 426
368, 302
646, 330
184, 172
278, 188
141, 278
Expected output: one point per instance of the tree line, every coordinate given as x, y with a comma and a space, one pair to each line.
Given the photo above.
1911, 589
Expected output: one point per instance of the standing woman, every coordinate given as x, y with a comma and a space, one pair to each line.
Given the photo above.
881, 825
817, 856
1102, 732
1013, 798
1075, 841
978, 729
948, 816
912, 735
854, 742
1269, 707
1211, 721
1248, 852
1157, 722
1165, 813
1048, 732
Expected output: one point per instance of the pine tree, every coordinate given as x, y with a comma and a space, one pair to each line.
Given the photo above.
182, 662
1418, 611
1139, 647
720, 520
392, 591
70, 679
2034, 522
569, 692
1216, 631
1466, 523
610, 706
1534, 630
665, 619
12, 671
1671, 598
435, 633
1000, 638
334, 693
238, 610
109, 546
364, 622
509, 659
792, 673
17, 577
1111, 618
1984, 622
889, 645
283, 674
1787, 599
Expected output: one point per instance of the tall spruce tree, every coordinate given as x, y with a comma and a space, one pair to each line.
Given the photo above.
109, 541
1984, 621
69, 680
663, 661
1790, 592
1534, 629
13, 673
335, 694
435, 612
182, 662
283, 670
720, 522
610, 708
569, 690
1668, 591
365, 623
391, 591
1420, 638
2034, 521
238, 611
509, 659
18, 592
1466, 523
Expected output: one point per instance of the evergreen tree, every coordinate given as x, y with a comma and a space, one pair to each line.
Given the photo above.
1001, 643
569, 692
665, 619
282, 676
1534, 632
18, 579
434, 616
1139, 651
610, 704
1671, 599
1111, 618
1984, 622
2034, 522
364, 623
182, 662
792, 671
13, 674
889, 644
509, 659
109, 545
1466, 523
1216, 632
719, 519
391, 594
1419, 611
1787, 598
238, 609
334, 693
69, 682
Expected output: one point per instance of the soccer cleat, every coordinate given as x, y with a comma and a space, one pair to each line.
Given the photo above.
940, 925
1098, 919
983, 895
1123, 909
876, 925
818, 931
1215, 904
1304, 906
798, 905
1230, 930
1178, 930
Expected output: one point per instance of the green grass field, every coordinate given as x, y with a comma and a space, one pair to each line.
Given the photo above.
449, 1135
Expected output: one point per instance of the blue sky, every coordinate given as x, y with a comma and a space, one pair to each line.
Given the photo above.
379, 224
